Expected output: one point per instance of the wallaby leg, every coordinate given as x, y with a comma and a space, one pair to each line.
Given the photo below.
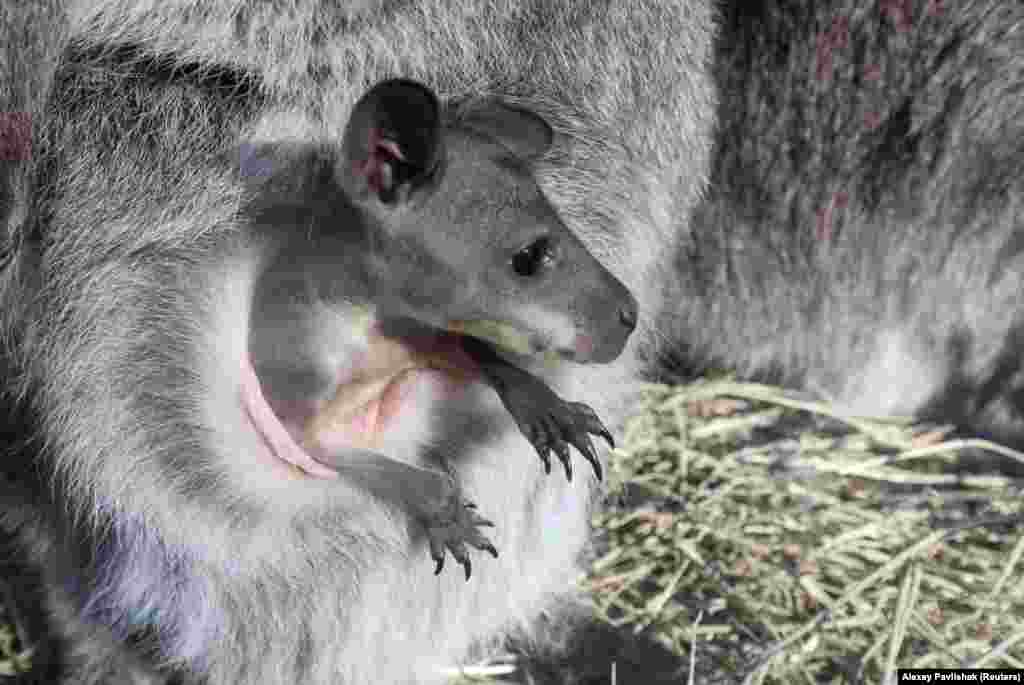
430, 497
546, 420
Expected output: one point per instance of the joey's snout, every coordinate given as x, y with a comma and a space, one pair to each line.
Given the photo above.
608, 318
602, 310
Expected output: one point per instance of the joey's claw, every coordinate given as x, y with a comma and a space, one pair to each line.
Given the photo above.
548, 422
582, 442
595, 463
458, 551
436, 553
481, 522
599, 429
592, 423
454, 527
535, 435
551, 425
545, 457
560, 447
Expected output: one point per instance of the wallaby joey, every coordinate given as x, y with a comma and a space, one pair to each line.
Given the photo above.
430, 228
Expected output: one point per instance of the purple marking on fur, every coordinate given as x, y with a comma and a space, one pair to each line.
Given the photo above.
251, 164
139, 582
15, 136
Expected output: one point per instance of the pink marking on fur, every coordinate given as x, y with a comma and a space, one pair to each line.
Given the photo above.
15, 136
899, 11
836, 38
823, 230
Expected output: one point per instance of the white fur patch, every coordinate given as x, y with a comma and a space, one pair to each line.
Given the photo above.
896, 380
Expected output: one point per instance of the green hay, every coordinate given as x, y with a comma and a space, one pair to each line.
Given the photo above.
15, 658
842, 551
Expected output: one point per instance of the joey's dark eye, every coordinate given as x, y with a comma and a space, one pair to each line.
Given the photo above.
533, 257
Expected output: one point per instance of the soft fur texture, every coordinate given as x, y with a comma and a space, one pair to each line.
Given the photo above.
861, 234
127, 292
858, 236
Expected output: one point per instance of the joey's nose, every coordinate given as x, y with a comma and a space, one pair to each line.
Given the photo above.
628, 314
613, 324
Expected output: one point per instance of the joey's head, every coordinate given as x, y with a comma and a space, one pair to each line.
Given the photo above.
468, 241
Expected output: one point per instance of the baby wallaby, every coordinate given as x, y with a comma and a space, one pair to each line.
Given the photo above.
430, 231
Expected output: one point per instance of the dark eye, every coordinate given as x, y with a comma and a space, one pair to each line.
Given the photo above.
532, 258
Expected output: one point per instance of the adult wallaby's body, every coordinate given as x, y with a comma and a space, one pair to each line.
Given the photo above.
170, 538
861, 235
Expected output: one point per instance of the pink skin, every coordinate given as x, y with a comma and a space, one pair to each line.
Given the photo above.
583, 346
268, 425
377, 415
372, 168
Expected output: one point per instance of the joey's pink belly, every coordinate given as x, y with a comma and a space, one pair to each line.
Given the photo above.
396, 380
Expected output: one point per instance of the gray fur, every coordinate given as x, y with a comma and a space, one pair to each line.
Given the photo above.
127, 291
861, 236
858, 237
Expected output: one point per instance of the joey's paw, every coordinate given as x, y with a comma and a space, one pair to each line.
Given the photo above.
551, 423
453, 527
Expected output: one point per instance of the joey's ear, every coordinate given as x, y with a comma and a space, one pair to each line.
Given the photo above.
392, 144
524, 133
